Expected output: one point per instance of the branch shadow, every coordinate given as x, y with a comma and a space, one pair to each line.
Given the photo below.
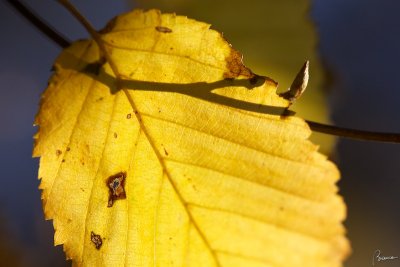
200, 90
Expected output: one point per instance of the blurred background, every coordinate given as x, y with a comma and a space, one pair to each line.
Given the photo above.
354, 48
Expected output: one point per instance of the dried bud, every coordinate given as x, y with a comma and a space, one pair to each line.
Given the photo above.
298, 86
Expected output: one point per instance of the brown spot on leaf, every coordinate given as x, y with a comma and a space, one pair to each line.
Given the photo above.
163, 29
63, 161
116, 186
166, 152
194, 187
96, 240
128, 116
58, 152
68, 148
115, 135
236, 68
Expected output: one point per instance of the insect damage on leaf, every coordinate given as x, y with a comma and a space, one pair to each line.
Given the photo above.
96, 240
235, 66
116, 185
163, 29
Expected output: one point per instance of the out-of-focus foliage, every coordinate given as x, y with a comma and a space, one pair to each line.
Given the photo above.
9, 250
275, 37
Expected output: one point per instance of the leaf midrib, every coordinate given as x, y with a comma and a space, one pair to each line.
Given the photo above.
168, 175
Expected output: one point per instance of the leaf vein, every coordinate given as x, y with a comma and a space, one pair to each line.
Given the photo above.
127, 202
168, 175
231, 141
307, 235
163, 53
246, 257
241, 178
85, 242
73, 129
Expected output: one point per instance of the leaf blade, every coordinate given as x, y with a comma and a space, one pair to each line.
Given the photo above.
171, 145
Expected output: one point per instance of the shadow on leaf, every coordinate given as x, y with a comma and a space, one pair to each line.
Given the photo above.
200, 90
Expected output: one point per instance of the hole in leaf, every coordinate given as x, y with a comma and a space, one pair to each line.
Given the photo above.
116, 186
163, 29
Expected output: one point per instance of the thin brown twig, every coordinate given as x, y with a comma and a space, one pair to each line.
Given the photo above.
354, 133
56, 37
39, 23
95, 35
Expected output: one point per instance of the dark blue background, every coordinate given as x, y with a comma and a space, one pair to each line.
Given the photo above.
360, 45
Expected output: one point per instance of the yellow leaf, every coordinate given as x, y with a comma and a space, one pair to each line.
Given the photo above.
277, 37
192, 164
